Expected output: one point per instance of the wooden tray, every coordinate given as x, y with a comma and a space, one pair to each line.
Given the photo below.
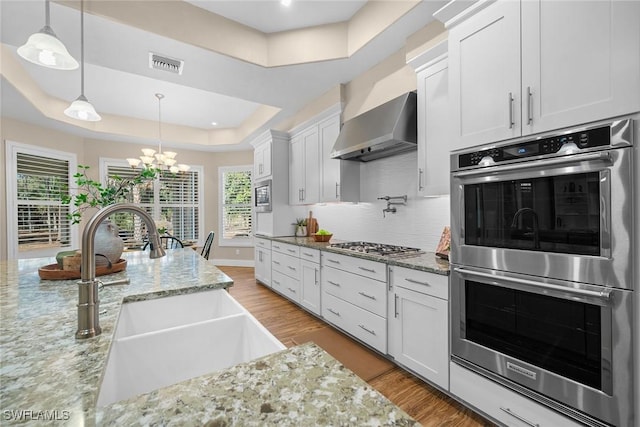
53, 272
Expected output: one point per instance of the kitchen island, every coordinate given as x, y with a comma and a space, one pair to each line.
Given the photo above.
47, 375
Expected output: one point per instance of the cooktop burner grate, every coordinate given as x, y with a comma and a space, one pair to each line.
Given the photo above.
377, 248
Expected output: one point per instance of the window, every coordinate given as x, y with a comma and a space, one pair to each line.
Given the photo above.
235, 206
173, 198
37, 223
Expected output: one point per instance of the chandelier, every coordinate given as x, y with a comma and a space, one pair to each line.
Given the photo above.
160, 160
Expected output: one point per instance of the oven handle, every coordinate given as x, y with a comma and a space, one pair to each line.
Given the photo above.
522, 283
601, 156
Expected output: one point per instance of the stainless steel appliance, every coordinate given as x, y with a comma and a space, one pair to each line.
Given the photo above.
542, 268
377, 249
262, 196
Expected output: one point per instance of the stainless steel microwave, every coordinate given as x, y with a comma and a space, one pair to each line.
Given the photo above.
262, 196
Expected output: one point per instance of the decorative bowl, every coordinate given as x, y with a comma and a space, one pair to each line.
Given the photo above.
322, 237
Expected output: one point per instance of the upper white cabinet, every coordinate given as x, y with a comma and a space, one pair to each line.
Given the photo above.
262, 161
518, 68
434, 127
339, 179
304, 167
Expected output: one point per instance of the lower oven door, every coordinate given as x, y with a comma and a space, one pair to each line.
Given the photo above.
550, 339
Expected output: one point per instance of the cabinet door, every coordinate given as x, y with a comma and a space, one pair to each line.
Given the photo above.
484, 66
419, 334
296, 170
263, 266
433, 130
310, 286
573, 74
330, 174
311, 168
262, 161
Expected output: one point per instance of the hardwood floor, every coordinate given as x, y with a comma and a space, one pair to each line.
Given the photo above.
285, 320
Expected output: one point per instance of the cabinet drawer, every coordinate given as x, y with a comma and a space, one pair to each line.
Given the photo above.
262, 243
285, 285
286, 248
309, 254
367, 327
436, 285
286, 264
504, 405
364, 267
361, 291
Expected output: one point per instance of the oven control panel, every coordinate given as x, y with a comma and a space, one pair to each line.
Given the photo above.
538, 147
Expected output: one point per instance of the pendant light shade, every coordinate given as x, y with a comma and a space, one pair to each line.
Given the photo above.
44, 48
81, 108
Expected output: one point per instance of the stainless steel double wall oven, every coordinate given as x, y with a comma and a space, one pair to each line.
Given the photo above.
542, 268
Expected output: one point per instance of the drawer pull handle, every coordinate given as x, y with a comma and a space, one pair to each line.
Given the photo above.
368, 330
292, 290
276, 262
514, 415
291, 268
370, 270
333, 283
293, 251
417, 282
307, 254
276, 282
334, 312
335, 261
367, 295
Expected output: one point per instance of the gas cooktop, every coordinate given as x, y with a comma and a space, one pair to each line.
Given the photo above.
377, 249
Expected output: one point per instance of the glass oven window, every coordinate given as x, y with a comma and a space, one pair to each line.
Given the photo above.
558, 335
551, 214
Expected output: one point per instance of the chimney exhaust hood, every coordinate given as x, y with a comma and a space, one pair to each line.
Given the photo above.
388, 129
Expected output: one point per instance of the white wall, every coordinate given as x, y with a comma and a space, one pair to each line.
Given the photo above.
418, 224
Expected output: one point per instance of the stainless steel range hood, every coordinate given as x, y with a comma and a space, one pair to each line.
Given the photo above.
388, 129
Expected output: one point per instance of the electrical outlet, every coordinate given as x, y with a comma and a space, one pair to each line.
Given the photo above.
237, 251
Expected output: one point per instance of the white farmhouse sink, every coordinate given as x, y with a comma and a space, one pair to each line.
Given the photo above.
140, 363
162, 313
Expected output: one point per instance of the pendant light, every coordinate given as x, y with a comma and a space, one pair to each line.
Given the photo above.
44, 48
159, 160
81, 108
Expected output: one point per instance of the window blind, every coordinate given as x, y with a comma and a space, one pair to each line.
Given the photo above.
42, 218
236, 210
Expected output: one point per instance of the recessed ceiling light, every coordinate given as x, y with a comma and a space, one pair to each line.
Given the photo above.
214, 123
285, 2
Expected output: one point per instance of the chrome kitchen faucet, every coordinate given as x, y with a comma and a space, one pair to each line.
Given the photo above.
88, 302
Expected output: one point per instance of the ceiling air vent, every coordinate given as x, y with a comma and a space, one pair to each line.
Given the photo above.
165, 63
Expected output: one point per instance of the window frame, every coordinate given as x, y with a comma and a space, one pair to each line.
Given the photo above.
14, 148
238, 241
105, 162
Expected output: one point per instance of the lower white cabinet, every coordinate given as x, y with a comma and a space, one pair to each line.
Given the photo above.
310, 281
504, 405
354, 302
262, 259
418, 323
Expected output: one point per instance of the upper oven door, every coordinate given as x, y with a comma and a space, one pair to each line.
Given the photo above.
262, 196
567, 217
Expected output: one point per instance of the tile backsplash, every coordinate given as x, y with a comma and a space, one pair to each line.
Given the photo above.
418, 224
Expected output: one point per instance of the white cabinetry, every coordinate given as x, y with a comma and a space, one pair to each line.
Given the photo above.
339, 179
419, 323
434, 127
518, 68
354, 297
310, 279
262, 160
285, 275
504, 405
263, 261
304, 166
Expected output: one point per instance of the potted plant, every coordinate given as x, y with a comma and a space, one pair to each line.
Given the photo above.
91, 194
301, 227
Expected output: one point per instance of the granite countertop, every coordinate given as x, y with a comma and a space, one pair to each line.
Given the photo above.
427, 261
46, 375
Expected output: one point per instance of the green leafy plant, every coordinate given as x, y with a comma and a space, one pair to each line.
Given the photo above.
92, 194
